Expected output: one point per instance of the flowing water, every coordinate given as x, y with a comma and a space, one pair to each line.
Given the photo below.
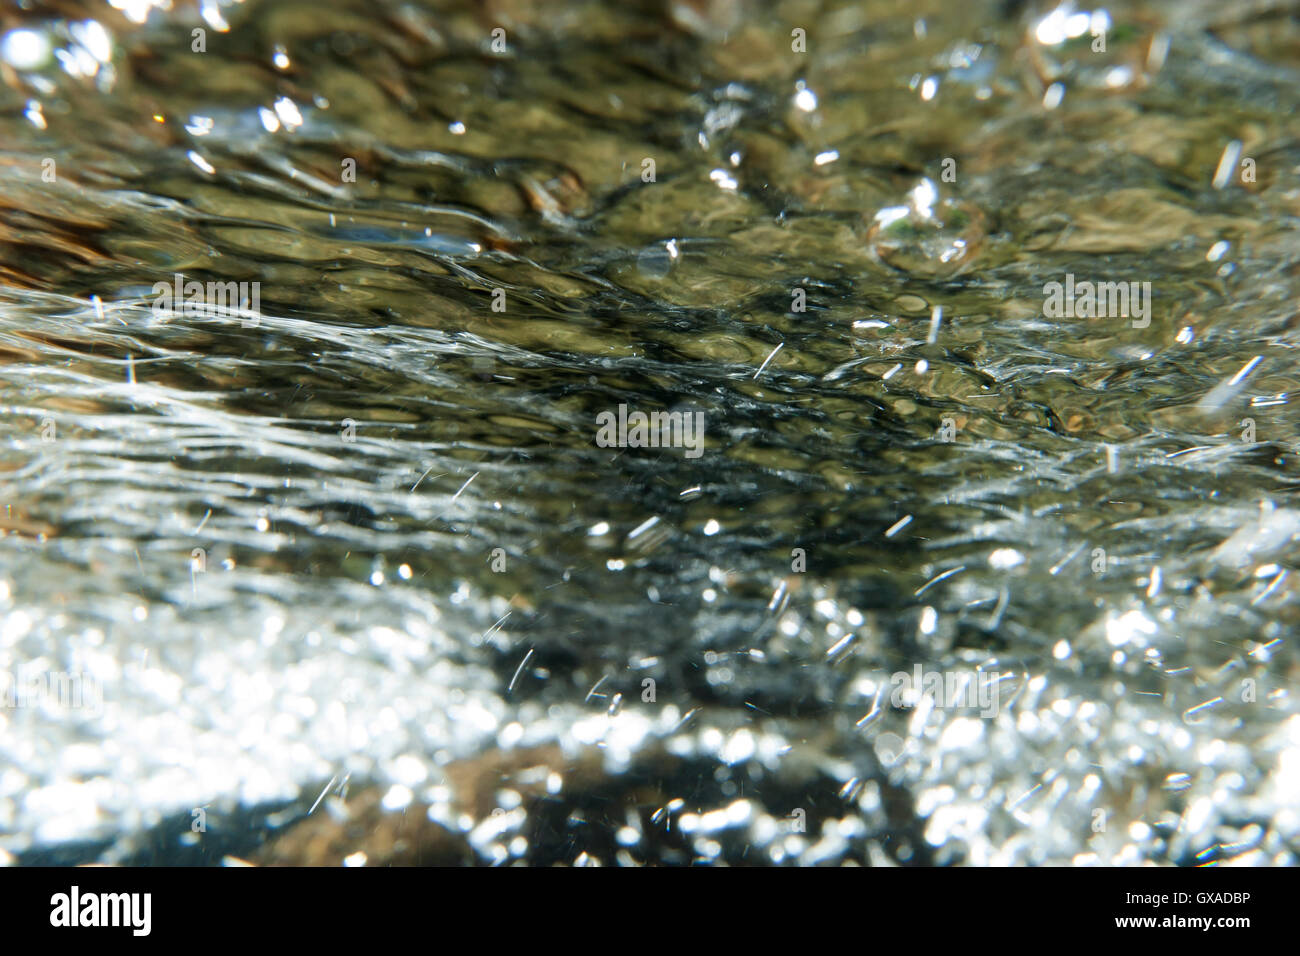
365, 559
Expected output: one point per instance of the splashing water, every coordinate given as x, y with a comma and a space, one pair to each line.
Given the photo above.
311, 322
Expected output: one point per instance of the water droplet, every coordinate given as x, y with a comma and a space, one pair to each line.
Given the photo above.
929, 236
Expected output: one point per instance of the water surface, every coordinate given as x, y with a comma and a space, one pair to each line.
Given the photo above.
362, 554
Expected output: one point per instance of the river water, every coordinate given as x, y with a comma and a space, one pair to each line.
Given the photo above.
942, 559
